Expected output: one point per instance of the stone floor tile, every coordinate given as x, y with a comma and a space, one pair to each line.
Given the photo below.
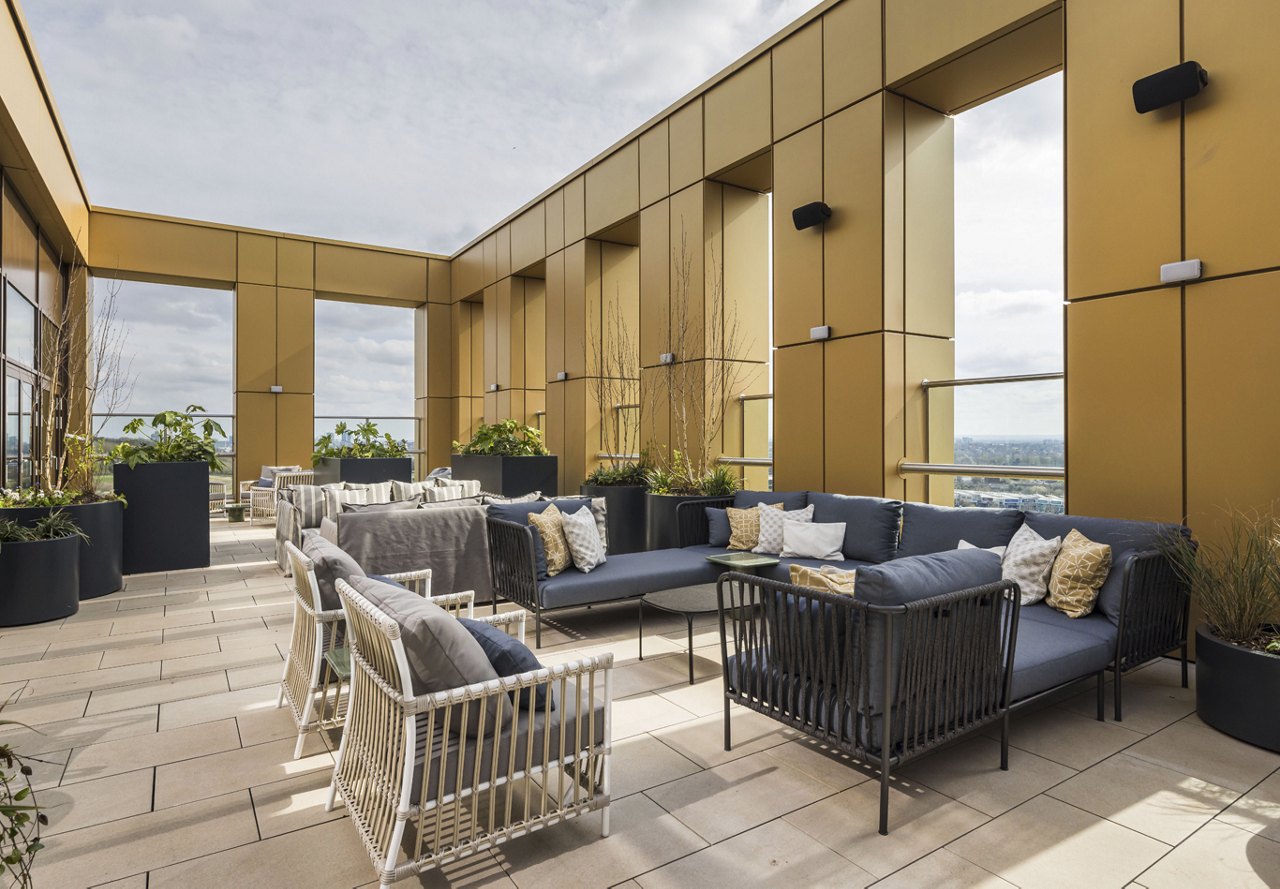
223, 631
641, 762
705, 698
159, 692
103, 643
1067, 738
1148, 706
269, 724
146, 751
1045, 842
253, 637
53, 736
129, 846
660, 671
920, 821
702, 740
773, 854
175, 714
38, 669
208, 662
645, 712
294, 803
72, 806
164, 600
719, 802
131, 624
137, 881
1208, 754
17, 652
37, 711
970, 772
219, 773
1258, 811
47, 769
1217, 856
93, 680
257, 674
1149, 798
943, 870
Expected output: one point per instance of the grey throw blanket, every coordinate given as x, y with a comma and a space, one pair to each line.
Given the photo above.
450, 540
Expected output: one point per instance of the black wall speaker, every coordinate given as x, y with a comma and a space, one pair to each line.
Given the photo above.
1168, 86
810, 215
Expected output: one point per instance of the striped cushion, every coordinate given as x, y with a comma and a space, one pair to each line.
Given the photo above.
408, 490
308, 500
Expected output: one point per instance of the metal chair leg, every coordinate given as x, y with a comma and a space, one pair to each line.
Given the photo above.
1119, 708
728, 740
1102, 696
884, 799
1004, 741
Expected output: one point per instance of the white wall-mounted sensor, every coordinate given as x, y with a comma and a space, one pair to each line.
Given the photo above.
562, 376
667, 358
276, 390
494, 387
820, 333
1187, 270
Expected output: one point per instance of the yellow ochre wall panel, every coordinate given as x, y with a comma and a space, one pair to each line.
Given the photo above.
798, 418
574, 211
161, 248
797, 255
613, 188
655, 162
295, 263
851, 53
684, 129
852, 444
535, 333
295, 421
921, 33
927, 358
255, 338
737, 117
554, 314
655, 282
529, 238
295, 339
351, 270
797, 80
255, 259
18, 256
929, 263
439, 343
853, 249
256, 433
439, 281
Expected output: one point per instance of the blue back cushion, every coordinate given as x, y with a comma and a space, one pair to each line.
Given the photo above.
717, 527
934, 529
382, 578
1126, 539
788, 499
519, 512
870, 523
509, 657
919, 577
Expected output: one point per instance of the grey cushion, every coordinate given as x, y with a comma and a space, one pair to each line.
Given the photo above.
519, 512
932, 529
919, 577
627, 575
331, 563
1126, 539
451, 504
718, 530
1053, 649
442, 655
393, 506
871, 523
788, 499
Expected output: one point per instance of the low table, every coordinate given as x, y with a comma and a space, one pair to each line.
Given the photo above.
690, 601
744, 561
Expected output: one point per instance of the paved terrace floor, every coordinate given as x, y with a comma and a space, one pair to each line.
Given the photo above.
164, 763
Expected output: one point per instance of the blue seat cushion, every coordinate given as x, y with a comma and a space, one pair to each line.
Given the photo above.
919, 577
933, 529
627, 575
788, 499
1054, 649
509, 657
718, 530
519, 512
870, 523
1126, 539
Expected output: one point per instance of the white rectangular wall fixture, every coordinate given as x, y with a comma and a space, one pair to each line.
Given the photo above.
1187, 270
820, 333
562, 376
667, 358
277, 390
494, 387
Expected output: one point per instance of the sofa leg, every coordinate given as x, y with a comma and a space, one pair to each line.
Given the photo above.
728, 739
537, 629
884, 798
1184, 665
1102, 696
1119, 707
1004, 741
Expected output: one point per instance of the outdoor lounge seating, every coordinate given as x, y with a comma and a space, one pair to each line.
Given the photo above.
260, 495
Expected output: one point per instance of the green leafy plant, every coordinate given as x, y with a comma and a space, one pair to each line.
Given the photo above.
618, 474
510, 438
11, 498
1236, 579
677, 476
20, 815
54, 526
365, 441
174, 437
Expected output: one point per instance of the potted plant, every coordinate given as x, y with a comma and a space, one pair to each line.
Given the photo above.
164, 476
623, 486
39, 569
1236, 583
360, 455
20, 815
673, 483
507, 458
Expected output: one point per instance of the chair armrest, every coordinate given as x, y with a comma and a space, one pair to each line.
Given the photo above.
505, 620
692, 528
511, 565
573, 670
461, 604
245, 485
418, 580
1155, 609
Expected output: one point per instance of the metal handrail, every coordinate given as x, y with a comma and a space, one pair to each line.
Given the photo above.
763, 396
991, 381
745, 461
978, 470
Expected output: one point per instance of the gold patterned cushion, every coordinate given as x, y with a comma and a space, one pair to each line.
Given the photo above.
744, 526
550, 527
1078, 573
827, 578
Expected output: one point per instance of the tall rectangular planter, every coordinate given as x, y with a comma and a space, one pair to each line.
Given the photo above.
508, 476
166, 521
363, 470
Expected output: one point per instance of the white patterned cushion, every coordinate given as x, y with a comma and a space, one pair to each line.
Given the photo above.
771, 524
813, 540
584, 539
1027, 560
998, 550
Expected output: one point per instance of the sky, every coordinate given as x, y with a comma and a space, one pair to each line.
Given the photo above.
417, 125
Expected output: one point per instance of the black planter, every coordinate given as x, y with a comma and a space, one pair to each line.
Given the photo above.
102, 558
166, 526
1237, 690
39, 581
663, 532
508, 476
625, 507
363, 470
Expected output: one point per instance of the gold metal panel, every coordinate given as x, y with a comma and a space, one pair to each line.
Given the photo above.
573, 462
1124, 405
854, 380
256, 434
853, 248
613, 188
926, 358
493, 323
689, 246
797, 255
755, 174
745, 253
655, 282
439, 285
296, 263
575, 210
1233, 184
490, 247
798, 418
439, 432
529, 238
576, 257
655, 164
555, 315
737, 117
503, 236
255, 341
930, 266
534, 400
797, 80
295, 340
895, 425
295, 431
894, 199
49, 283
921, 34
467, 273
851, 54
478, 351
18, 255
255, 259
461, 351
363, 272
535, 333
655, 413
685, 138
554, 425
1123, 203
158, 247
515, 339
555, 221
439, 351
619, 298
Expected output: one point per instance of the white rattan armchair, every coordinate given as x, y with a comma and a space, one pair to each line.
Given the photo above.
262, 501
415, 781
317, 669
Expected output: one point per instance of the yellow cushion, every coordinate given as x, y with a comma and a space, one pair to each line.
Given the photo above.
1078, 573
744, 526
828, 578
550, 525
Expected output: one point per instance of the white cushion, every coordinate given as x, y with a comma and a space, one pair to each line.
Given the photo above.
772, 522
998, 550
1027, 560
813, 540
584, 539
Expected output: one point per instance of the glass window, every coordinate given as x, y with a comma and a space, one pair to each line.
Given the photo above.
26, 428
20, 328
12, 443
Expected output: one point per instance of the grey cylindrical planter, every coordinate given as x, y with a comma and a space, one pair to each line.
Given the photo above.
102, 557
508, 476
1237, 690
39, 581
626, 515
663, 531
166, 526
363, 470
